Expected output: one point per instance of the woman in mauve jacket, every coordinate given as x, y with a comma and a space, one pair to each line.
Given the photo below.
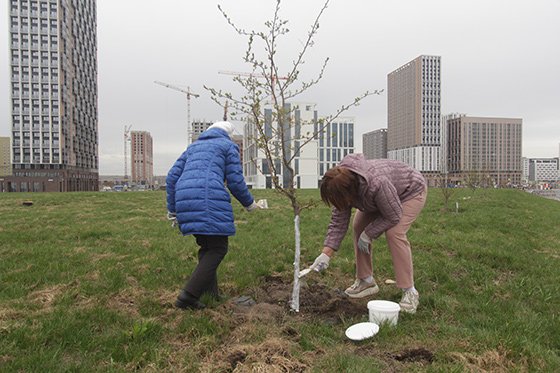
198, 201
388, 196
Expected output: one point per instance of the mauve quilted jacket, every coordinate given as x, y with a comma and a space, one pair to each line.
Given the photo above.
195, 185
384, 185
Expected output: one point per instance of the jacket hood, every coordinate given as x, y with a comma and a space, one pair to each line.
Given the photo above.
225, 126
355, 162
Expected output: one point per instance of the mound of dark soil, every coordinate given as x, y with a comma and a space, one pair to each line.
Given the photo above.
316, 300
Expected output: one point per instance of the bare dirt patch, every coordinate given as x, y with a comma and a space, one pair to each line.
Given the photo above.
415, 355
316, 300
398, 361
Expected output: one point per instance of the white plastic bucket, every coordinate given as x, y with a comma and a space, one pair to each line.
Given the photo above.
383, 311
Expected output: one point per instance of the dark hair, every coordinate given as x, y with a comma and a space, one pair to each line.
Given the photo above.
339, 187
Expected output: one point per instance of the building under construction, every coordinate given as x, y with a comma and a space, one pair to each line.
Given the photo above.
141, 158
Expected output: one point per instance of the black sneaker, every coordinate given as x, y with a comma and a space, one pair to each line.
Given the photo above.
186, 301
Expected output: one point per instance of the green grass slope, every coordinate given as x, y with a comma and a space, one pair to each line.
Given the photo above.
87, 282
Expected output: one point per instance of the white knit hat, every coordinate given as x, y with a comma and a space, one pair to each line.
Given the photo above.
226, 126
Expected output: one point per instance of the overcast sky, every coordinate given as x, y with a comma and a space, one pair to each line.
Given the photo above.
500, 58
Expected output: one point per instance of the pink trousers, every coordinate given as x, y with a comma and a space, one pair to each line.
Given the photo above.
396, 240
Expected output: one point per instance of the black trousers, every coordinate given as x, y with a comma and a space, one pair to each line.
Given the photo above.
204, 279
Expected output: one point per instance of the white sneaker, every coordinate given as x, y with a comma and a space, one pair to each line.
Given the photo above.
410, 301
360, 289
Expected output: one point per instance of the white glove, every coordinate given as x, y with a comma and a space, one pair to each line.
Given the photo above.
321, 263
364, 243
172, 216
253, 206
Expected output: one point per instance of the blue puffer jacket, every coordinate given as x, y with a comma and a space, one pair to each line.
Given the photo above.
195, 185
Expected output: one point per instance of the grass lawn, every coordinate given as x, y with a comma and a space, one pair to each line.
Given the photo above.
87, 283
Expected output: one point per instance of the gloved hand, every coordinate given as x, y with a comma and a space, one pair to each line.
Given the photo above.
173, 217
364, 243
253, 206
321, 263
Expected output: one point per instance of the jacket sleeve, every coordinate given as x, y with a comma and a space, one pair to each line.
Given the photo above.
337, 227
390, 209
172, 176
234, 177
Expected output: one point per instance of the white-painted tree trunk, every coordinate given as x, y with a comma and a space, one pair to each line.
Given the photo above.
295, 292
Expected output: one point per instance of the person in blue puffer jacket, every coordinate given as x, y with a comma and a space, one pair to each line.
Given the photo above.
198, 201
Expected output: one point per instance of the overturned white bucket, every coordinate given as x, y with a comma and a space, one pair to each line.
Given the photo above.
383, 312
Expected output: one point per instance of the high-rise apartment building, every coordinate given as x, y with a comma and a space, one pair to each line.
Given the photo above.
257, 171
142, 157
199, 126
53, 64
524, 170
374, 144
414, 105
543, 169
324, 147
335, 142
486, 148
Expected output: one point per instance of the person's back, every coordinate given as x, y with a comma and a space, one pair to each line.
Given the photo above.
200, 198
197, 198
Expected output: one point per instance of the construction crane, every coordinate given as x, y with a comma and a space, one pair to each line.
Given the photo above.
126, 141
189, 94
